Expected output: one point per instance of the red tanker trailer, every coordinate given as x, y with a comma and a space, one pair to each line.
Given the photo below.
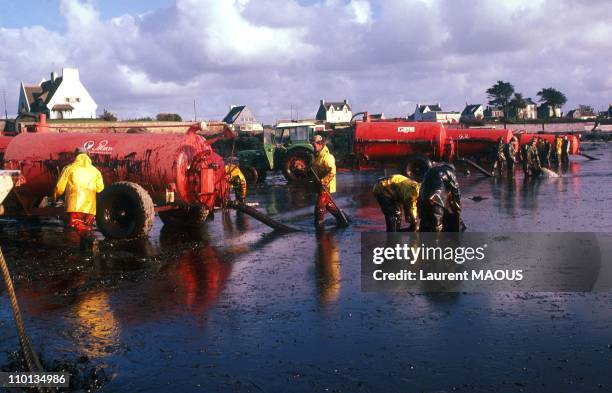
413, 146
525, 138
177, 175
471, 142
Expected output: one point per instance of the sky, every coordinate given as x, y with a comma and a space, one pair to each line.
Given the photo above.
141, 57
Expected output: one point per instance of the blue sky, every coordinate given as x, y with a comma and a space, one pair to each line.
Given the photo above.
138, 58
47, 12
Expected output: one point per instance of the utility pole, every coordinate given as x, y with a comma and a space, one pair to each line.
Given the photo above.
4, 97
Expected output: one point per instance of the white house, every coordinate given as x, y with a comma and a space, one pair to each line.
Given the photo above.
472, 112
529, 112
61, 97
334, 112
421, 110
242, 118
435, 113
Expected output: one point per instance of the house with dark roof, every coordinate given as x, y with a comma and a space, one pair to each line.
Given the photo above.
493, 112
334, 112
421, 110
472, 112
242, 118
61, 97
583, 112
435, 113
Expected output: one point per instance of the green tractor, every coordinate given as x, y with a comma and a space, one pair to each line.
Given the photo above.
287, 148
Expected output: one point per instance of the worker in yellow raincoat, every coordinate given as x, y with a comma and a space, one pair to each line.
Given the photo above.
396, 193
80, 182
324, 166
237, 180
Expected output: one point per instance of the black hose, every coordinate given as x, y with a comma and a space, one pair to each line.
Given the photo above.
256, 214
30, 356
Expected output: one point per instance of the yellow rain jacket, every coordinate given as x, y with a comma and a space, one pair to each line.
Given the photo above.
559, 146
324, 166
401, 190
236, 178
80, 181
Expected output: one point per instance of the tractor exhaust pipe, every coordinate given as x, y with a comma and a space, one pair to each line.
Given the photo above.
256, 214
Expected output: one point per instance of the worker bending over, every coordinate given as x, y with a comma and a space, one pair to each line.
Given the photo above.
80, 182
531, 159
236, 180
439, 203
324, 166
396, 193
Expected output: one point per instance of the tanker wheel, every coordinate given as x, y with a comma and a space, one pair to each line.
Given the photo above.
125, 210
297, 166
416, 166
193, 216
250, 174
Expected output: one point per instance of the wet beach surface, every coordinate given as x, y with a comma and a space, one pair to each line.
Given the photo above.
233, 307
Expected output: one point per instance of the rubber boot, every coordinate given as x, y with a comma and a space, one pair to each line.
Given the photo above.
319, 220
340, 220
393, 223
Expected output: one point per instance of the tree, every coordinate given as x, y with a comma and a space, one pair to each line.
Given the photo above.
499, 95
168, 117
553, 98
108, 116
517, 103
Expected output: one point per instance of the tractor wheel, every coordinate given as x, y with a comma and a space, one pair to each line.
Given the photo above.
250, 174
416, 166
297, 166
125, 210
193, 216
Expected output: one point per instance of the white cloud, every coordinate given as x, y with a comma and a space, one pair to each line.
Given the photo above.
271, 54
362, 11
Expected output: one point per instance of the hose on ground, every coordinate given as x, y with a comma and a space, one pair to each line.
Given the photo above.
30, 356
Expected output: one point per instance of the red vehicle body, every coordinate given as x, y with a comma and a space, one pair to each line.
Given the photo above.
178, 175
526, 138
413, 145
389, 140
474, 141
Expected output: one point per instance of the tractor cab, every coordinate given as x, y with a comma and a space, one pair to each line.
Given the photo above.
286, 147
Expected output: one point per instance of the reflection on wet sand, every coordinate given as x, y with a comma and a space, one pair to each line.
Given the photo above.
327, 268
97, 329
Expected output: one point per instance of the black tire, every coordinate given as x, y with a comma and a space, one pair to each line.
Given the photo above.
294, 160
250, 174
193, 216
124, 210
416, 165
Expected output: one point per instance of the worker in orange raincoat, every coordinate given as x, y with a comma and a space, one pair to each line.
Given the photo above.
324, 166
237, 180
396, 193
80, 182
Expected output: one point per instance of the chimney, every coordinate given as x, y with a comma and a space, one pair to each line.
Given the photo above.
53, 76
346, 101
322, 101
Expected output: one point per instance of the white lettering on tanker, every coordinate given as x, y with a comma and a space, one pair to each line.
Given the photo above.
405, 129
101, 147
